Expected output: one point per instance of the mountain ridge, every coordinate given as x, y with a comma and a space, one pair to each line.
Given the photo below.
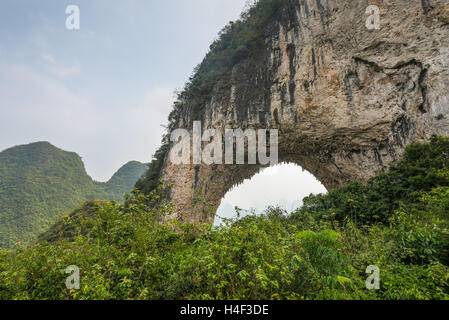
40, 182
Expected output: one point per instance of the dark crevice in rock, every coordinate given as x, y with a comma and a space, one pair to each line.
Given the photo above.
348, 88
423, 86
373, 65
276, 116
401, 129
426, 7
291, 51
404, 106
378, 157
323, 13
315, 73
413, 62
306, 86
197, 172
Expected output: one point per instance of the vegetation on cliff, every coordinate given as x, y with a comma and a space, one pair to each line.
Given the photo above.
39, 183
237, 41
398, 222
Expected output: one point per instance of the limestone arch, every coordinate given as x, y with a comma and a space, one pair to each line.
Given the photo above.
346, 100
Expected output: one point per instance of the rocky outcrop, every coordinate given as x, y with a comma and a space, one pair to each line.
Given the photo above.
345, 99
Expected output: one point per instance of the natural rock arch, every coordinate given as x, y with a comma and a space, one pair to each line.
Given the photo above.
346, 100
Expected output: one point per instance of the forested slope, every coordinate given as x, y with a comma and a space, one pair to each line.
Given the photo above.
398, 222
39, 183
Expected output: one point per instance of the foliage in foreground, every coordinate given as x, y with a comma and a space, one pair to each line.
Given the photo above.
321, 251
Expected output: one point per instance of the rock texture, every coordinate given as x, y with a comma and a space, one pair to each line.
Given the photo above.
346, 100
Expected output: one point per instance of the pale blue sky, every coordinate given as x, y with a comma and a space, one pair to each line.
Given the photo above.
102, 91
105, 90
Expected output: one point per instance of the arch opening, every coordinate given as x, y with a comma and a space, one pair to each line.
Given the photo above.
284, 185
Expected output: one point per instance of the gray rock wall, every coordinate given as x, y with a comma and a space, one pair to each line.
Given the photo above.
345, 99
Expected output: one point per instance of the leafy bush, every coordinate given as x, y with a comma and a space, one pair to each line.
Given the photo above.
131, 251
418, 241
423, 168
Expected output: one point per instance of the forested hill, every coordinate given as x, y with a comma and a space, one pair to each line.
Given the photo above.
39, 183
397, 223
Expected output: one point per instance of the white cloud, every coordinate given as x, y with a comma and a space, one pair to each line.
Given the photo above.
146, 122
160, 98
40, 41
34, 107
48, 57
35, 101
61, 71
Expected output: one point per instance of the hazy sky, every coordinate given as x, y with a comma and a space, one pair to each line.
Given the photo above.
105, 90
284, 185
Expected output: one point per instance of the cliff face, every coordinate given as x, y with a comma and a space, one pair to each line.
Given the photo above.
345, 99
